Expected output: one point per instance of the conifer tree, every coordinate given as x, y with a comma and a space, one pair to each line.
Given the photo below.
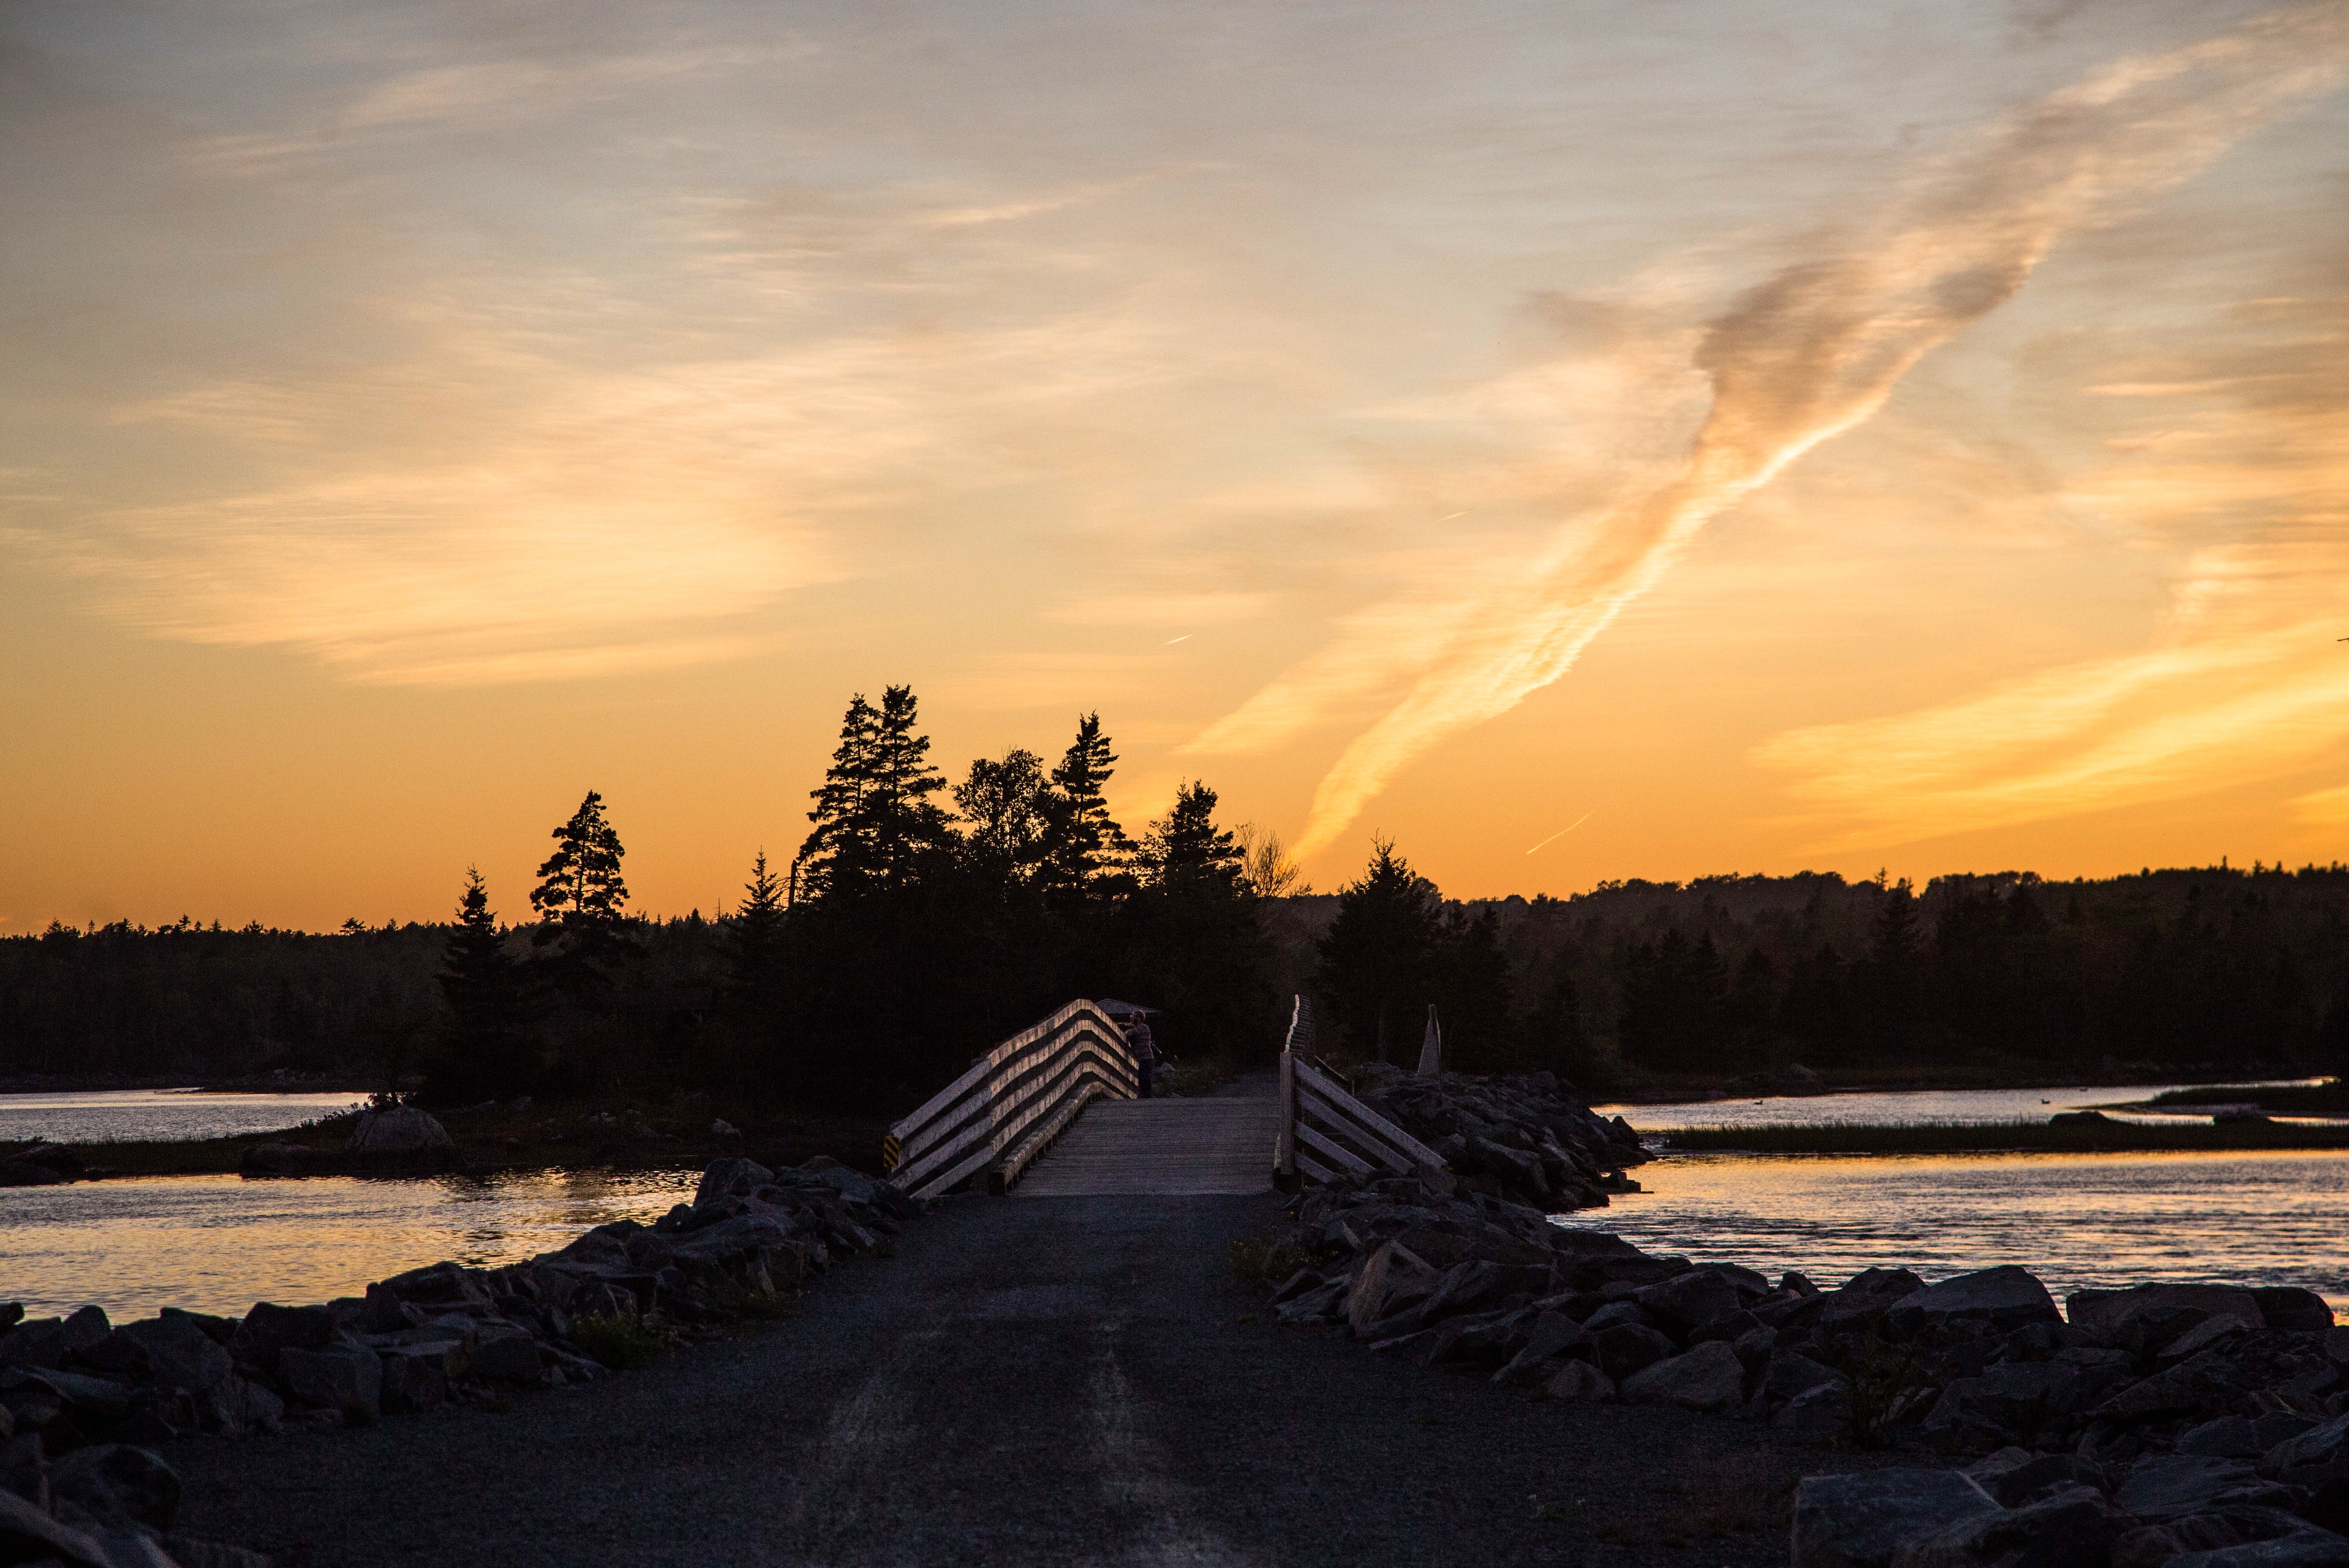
581, 895
755, 943
1186, 849
487, 992
1086, 845
1374, 957
876, 823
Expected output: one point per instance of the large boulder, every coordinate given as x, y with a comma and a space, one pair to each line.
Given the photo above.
732, 1177
269, 1329
2010, 1402
119, 1481
1579, 1380
47, 1341
29, 1535
403, 1130
1862, 1520
1625, 1348
2289, 1306
1391, 1278
2305, 1548
2105, 1312
181, 1354
345, 1377
505, 1354
2007, 1298
2073, 1529
2162, 1487
1680, 1304
1709, 1378
2314, 1447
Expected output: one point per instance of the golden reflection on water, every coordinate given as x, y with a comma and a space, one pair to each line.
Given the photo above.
218, 1243
2076, 1220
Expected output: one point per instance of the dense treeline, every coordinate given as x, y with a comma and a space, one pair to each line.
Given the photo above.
923, 919
2212, 971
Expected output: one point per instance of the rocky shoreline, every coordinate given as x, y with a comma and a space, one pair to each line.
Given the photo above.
2200, 1425
84, 1402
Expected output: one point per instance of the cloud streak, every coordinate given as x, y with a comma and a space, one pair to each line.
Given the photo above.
1810, 353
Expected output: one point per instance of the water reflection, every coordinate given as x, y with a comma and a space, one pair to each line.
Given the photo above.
132, 1116
2075, 1221
1957, 1105
218, 1243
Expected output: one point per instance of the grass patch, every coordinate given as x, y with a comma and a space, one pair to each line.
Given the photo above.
623, 1344
2004, 1137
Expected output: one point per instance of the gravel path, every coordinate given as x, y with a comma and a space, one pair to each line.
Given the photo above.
1052, 1380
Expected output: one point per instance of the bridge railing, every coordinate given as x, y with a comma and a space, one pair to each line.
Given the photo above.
1325, 1131
1006, 1111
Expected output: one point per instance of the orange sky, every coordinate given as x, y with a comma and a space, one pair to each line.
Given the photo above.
1744, 437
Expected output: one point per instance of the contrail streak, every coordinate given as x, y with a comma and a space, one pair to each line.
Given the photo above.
1561, 833
1817, 348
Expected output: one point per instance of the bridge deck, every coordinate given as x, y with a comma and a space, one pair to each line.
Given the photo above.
1221, 1144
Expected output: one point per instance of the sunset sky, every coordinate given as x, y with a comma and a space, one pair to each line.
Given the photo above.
1666, 438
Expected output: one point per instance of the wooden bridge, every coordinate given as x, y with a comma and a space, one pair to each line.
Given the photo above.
1055, 1112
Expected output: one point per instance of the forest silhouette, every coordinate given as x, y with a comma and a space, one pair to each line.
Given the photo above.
921, 921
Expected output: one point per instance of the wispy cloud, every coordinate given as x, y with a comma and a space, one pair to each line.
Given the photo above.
1809, 353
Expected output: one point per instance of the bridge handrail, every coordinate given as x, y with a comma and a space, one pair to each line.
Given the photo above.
1324, 1129
1007, 1109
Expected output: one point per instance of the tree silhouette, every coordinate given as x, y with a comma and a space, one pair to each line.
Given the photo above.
875, 824
1186, 848
1470, 986
1374, 957
755, 940
1008, 806
1085, 849
581, 895
483, 1045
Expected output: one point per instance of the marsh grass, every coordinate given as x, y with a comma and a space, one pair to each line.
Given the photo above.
623, 1344
2003, 1137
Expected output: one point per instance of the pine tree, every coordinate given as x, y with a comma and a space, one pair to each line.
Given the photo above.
876, 823
1374, 957
754, 947
484, 1048
581, 896
1186, 848
1471, 988
1086, 848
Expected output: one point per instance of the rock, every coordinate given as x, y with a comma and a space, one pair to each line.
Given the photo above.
2073, 1529
24, 1173
1709, 1378
24, 1470
269, 1329
416, 1376
120, 1481
102, 1399
2010, 1402
2163, 1487
1862, 1520
2103, 1312
29, 1535
181, 1354
1391, 1277
2200, 1338
1579, 1380
276, 1159
507, 1355
46, 1342
1625, 1348
1550, 1335
240, 1405
721, 1127
2289, 1306
188, 1552
404, 1131
2017, 1477
1678, 1306
344, 1378
2314, 1447
732, 1177
2308, 1548
2007, 1298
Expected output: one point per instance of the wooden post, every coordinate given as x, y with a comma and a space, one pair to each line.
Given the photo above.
1284, 1145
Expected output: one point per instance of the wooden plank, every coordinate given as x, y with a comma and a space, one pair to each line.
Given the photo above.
1336, 1121
1314, 1171
1403, 1142
1284, 1142
1331, 1148
1165, 1147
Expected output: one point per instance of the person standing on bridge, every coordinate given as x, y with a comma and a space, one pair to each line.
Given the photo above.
1136, 1024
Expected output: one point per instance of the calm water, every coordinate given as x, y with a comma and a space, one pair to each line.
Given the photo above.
2076, 1220
1970, 1105
131, 1116
218, 1243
